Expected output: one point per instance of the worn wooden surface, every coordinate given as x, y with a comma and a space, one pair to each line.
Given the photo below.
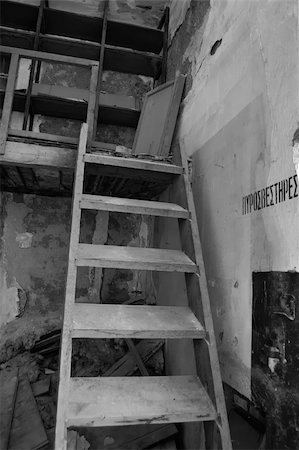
128, 321
8, 390
137, 400
112, 256
132, 206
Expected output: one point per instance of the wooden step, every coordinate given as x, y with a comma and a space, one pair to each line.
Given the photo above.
131, 168
133, 258
128, 321
132, 206
132, 163
136, 400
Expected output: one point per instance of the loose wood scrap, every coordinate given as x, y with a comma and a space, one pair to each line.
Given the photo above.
126, 365
8, 391
27, 430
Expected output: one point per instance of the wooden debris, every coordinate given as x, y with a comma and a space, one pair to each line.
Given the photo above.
8, 391
126, 365
41, 387
27, 430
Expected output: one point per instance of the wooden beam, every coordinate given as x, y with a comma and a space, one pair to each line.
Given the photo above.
165, 46
92, 103
100, 72
70, 291
8, 100
33, 63
49, 57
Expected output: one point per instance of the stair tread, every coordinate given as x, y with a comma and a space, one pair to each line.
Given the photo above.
133, 163
106, 203
136, 400
131, 321
134, 258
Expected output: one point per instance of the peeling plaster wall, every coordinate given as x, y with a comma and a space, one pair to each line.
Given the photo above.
35, 233
237, 123
34, 254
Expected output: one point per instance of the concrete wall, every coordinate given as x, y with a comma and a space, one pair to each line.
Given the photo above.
237, 123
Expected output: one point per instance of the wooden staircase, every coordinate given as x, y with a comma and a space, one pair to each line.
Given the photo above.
105, 401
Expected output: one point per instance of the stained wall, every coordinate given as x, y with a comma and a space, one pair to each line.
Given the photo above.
237, 123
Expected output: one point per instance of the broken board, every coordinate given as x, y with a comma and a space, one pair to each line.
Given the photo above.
27, 430
158, 118
8, 391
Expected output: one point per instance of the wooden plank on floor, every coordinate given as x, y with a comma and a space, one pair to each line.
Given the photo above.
132, 206
27, 431
8, 391
140, 321
134, 258
137, 400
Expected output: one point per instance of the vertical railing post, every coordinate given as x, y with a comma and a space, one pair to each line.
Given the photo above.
101, 68
33, 64
92, 103
8, 100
